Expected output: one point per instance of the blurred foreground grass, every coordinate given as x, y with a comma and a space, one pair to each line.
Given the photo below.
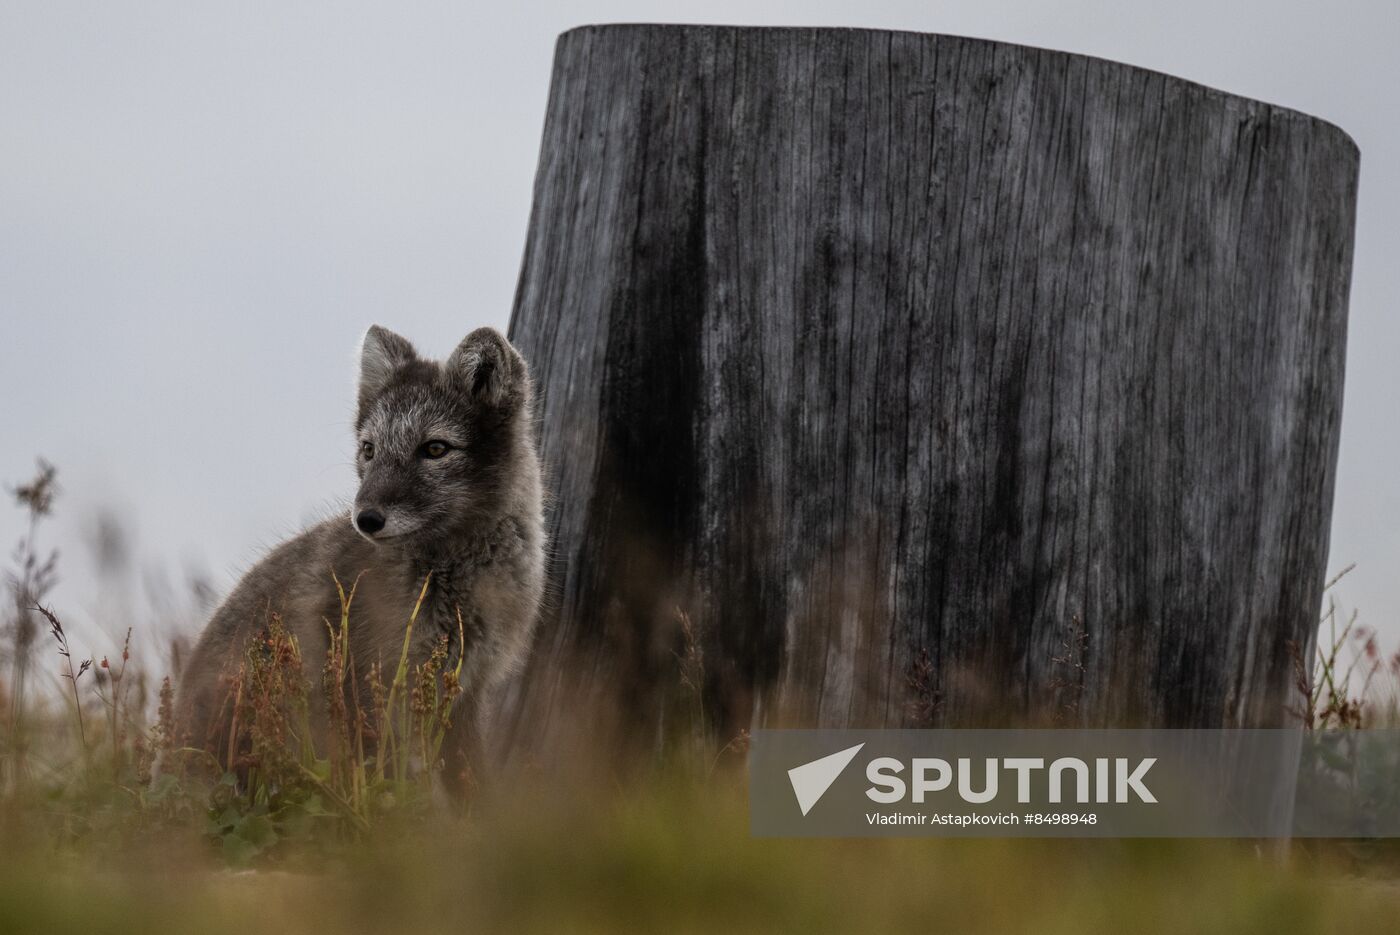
674, 857
94, 840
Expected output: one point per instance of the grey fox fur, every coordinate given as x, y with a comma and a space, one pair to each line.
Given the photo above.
449, 485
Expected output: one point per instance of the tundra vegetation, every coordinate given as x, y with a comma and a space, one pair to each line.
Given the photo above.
111, 822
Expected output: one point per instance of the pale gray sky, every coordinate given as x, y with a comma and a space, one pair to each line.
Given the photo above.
202, 206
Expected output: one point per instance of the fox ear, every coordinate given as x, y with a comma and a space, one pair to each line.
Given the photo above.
381, 353
487, 368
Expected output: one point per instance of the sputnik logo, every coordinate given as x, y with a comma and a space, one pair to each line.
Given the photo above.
811, 780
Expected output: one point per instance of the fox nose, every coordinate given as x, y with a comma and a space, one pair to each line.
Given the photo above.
369, 522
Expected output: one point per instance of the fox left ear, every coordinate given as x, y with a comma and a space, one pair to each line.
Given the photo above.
488, 368
381, 353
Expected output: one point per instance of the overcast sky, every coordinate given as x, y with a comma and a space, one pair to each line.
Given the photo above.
203, 206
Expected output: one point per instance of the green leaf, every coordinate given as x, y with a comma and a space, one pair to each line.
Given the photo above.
238, 851
257, 830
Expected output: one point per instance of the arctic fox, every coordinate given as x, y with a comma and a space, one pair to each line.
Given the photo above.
449, 487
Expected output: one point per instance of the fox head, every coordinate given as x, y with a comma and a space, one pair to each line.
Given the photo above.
437, 444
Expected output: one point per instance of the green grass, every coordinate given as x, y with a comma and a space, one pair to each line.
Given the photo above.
350, 837
676, 857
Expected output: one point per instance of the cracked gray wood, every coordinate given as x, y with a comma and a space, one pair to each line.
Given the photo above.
933, 380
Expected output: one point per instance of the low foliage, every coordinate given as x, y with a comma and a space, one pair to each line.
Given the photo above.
106, 811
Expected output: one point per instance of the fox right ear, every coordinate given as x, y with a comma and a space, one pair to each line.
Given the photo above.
381, 353
489, 368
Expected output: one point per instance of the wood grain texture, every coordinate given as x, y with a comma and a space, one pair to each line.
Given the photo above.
935, 380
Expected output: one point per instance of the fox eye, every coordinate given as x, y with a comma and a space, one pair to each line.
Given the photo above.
367, 450
435, 449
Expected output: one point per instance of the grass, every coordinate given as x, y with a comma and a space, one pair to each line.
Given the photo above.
678, 859
88, 767
111, 822
1352, 684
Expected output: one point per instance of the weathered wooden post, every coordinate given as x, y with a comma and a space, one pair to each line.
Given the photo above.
932, 380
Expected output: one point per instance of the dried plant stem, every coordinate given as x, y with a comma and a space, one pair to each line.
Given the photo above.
56, 628
387, 738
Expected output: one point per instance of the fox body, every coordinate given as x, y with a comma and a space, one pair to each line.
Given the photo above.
449, 494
